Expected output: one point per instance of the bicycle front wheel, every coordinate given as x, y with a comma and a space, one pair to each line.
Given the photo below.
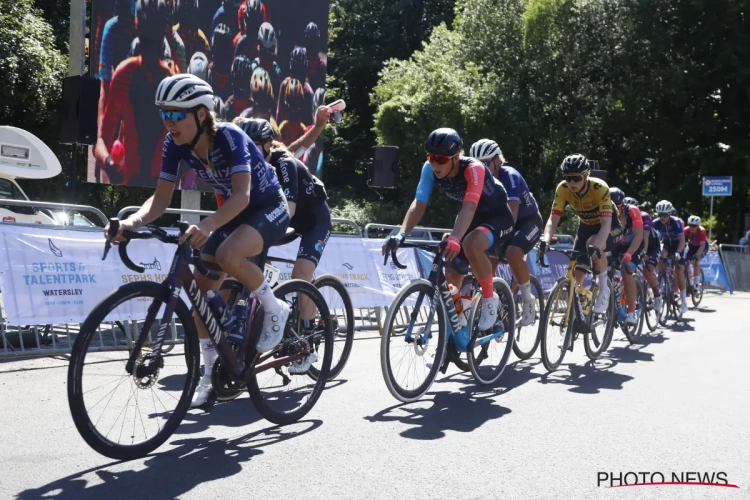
528, 337
416, 348
557, 325
652, 314
697, 295
601, 327
633, 332
489, 350
100, 389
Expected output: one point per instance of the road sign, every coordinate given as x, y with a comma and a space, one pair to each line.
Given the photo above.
717, 186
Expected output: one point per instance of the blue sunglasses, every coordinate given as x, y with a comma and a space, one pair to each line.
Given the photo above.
176, 115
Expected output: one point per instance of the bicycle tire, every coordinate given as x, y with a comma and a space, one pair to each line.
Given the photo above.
398, 392
633, 333
592, 351
650, 305
517, 349
503, 291
256, 396
666, 298
552, 364
348, 337
76, 403
699, 299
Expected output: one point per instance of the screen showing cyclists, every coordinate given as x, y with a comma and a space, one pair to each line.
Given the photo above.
263, 59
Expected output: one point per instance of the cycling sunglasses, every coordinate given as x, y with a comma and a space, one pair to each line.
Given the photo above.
664, 214
439, 159
572, 178
176, 115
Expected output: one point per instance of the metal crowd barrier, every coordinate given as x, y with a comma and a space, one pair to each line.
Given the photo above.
420, 233
64, 207
736, 262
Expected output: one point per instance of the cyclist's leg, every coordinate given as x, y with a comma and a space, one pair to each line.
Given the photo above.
315, 229
526, 233
615, 236
649, 269
691, 259
584, 233
260, 227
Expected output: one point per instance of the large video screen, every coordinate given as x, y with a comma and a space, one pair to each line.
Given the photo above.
263, 58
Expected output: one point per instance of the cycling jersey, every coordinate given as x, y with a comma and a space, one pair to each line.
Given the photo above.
232, 153
695, 238
299, 185
590, 207
518, 190
473, 183
316, 68
633, 219
669, 232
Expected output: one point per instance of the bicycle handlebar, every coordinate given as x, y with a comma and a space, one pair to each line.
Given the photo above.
433, 246
161, 235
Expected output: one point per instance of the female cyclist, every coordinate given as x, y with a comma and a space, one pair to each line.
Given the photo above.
254, 216
311, 217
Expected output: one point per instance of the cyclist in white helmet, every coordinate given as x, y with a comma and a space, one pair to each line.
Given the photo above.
254, 216
673, 241
528, 223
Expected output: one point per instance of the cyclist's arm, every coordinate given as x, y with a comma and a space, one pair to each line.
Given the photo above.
558, 205
549, 229
474, 175
308, 139
155, 206
232, 206
413, 216
635, 216
703, 243
680, 243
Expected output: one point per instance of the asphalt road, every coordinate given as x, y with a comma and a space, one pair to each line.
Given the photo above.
679, 404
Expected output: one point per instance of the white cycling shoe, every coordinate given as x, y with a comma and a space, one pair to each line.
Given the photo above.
658, 303
273, 328
301, 366
631, 319
528, 312
489, 312
684, 306
602, 302
202, 391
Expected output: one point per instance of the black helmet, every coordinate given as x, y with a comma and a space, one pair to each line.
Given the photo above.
258, 130
298, 63
575, 164
152, 17
242, 69
222, 46
312, 35
444, 142
616, 195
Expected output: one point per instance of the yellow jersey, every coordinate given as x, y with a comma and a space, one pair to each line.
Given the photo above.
590, 207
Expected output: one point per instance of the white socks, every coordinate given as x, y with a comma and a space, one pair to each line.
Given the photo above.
209, 358
267, 298
526, 291
603, 285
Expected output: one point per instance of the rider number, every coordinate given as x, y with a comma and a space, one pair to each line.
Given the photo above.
272, 275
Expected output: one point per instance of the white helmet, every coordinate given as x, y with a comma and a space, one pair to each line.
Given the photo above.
484, 149
694, 220
199, 65
184, 91
664, 207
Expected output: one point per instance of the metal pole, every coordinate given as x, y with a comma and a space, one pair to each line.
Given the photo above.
190, 200
77, 43
711, 220
74, 164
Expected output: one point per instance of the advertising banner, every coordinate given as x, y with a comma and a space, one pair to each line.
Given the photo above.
263, 59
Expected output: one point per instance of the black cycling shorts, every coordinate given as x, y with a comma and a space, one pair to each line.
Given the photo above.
526, 232
670, 247
586, 231
500, 226
271, 220
693, 251
653, 251
314, 227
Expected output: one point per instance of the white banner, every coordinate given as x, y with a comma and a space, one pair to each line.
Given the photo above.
58, 276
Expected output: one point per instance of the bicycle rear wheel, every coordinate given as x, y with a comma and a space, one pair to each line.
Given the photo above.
342, 317
651, 313
151, 413
528, 337
489, 350
557, 331
297, 395
416, 348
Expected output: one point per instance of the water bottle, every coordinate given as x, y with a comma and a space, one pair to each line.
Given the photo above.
458, 302
219, 307
239, 328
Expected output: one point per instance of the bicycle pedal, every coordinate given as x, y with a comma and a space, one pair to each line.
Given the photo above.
444, 367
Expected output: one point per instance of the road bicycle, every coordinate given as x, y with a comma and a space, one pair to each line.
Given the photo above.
671, 299
569, 312
695, 283
152, 380
432, 343
651, 313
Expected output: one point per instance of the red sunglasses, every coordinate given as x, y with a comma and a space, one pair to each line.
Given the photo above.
439, 159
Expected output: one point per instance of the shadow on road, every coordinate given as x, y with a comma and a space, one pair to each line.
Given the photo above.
628, 353
590, 378
172, 473
683, 325
702, 309
515, 375
446, 411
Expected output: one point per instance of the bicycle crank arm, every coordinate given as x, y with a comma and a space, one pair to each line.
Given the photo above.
488, 338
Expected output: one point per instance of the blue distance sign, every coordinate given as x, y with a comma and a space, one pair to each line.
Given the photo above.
717, 186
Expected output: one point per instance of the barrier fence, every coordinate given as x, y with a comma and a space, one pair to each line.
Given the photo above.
53, 276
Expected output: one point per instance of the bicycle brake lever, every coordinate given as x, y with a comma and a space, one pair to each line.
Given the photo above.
114, 226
